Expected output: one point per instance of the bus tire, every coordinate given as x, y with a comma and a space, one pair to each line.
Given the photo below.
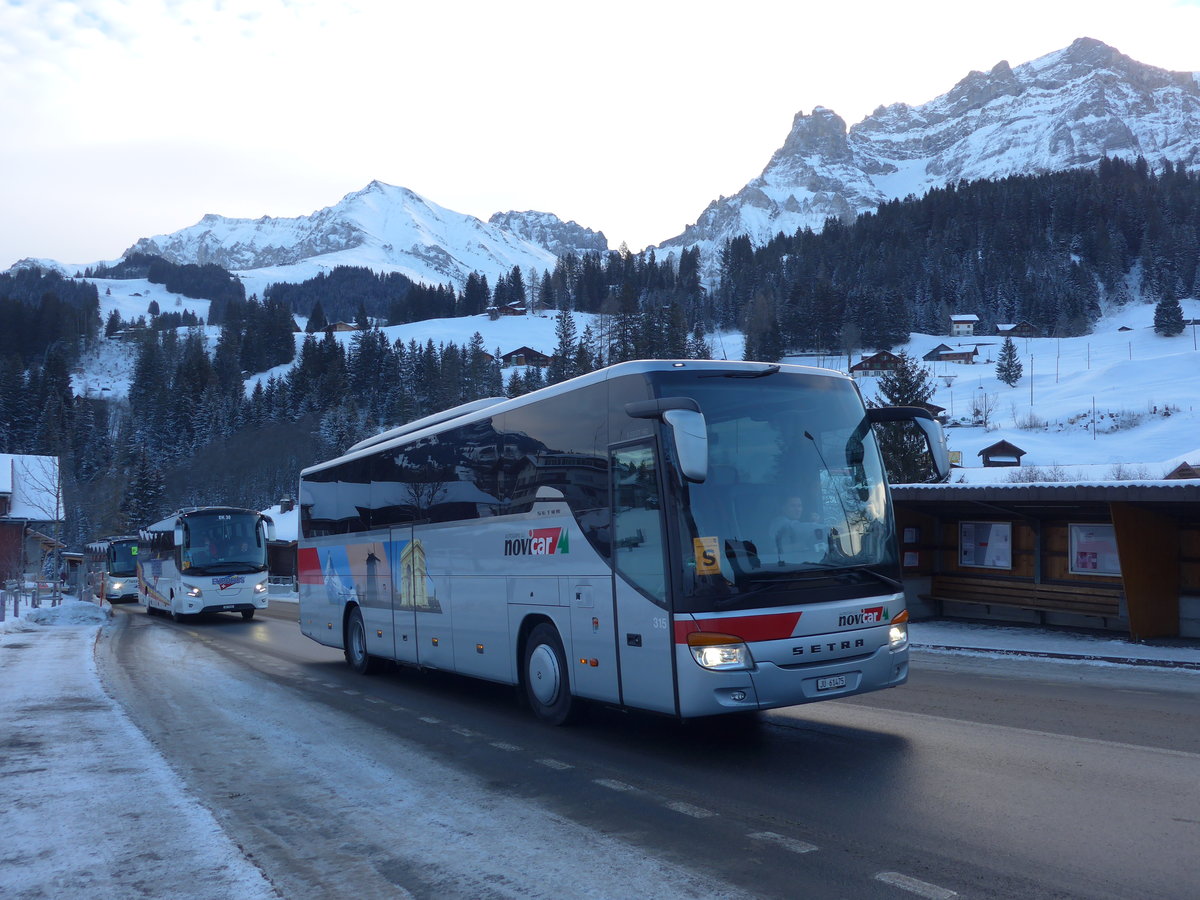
247, 614
357, 656
178, 616
547, 681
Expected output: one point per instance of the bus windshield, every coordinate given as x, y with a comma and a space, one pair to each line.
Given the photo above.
795, 506
122, 558
224, 543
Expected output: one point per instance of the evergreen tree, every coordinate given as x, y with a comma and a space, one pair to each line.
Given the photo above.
562, 365
1168, 317
1008, 367
905, 452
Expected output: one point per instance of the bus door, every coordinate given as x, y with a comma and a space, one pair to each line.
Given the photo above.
402, 560
644, 641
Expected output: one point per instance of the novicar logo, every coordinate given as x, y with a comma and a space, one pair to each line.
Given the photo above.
227, 581
872, 615
540, 542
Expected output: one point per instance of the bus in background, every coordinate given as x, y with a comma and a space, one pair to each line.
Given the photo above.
204, 560
112, 568
624, 537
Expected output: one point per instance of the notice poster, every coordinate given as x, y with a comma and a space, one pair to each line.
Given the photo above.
1094, 550
987, 545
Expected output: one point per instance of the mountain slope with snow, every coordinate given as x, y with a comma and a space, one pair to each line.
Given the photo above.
1064, 110
382, 227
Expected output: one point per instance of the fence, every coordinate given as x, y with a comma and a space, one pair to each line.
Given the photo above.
30, 594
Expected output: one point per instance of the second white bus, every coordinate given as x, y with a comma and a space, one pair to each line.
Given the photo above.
204, 560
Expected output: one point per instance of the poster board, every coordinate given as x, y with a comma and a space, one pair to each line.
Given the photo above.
1094, 550
985, 545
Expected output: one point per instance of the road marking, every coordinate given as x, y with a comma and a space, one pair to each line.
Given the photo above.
372, 699
786, 843
465, 732
916, 886
554, 764
430, 720
687, 809
511, 748
621, 786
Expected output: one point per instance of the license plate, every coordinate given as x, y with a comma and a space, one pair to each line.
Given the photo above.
831, 683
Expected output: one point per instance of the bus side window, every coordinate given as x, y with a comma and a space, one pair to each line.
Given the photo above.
637, 520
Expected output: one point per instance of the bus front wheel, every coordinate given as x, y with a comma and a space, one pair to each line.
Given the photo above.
356, 646
547, 683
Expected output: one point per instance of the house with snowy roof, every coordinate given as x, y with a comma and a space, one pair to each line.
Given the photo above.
31, 512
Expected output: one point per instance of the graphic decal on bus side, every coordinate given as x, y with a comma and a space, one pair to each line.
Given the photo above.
372, 573
539, 542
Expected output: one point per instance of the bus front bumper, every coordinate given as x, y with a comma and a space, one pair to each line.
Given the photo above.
769, 686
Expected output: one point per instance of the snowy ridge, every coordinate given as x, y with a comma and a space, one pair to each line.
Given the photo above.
1064, 110
381, 227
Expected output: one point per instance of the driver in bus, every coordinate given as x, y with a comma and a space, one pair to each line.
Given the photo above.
798, 537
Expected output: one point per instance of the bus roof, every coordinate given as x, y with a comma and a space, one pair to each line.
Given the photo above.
477, 410
168, 524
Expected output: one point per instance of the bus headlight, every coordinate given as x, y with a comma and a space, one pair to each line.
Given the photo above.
118, 585
260, 588
723, 652
898, 636
194, 592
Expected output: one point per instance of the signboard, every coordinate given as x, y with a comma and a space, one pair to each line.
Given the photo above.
986, 545
1094, 550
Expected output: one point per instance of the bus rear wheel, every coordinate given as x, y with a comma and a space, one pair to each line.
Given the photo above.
547, 682
356, 646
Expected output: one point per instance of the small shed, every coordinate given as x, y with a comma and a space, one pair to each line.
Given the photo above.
1001, 453
883, 361
963, 325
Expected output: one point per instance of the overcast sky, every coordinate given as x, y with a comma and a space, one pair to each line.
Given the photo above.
123, 119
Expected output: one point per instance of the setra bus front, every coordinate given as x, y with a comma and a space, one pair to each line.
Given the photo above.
785, 582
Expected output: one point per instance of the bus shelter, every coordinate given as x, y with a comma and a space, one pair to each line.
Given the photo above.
1118, 556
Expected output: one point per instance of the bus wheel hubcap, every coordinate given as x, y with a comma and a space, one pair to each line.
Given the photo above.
543, 674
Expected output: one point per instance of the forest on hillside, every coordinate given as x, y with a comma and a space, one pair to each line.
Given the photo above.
1047, 249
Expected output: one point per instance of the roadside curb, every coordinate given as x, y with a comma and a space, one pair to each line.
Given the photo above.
1049, 654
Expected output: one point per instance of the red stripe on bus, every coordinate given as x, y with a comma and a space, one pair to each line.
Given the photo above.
767, 627
308, 565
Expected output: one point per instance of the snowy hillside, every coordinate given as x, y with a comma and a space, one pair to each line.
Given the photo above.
1143, 386
382, 228
1067, 109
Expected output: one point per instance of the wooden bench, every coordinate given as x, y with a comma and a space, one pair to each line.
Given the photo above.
1081, 599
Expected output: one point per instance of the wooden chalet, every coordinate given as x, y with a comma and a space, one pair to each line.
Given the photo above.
1019, 329
883, 361
963, 325
525, 356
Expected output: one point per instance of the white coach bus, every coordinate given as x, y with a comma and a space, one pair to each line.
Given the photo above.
631, 537
112, 568
204, 560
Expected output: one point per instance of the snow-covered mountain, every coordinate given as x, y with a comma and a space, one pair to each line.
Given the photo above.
382, 227
1067, 109
549, 231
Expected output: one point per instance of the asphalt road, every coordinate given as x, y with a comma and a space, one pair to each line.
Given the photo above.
980, 778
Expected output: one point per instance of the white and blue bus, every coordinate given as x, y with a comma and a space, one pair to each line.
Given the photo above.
112, 568
629, 537
205, 560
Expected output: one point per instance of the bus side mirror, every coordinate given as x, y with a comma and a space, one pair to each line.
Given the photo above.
689, 432
270, 523
935, 437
